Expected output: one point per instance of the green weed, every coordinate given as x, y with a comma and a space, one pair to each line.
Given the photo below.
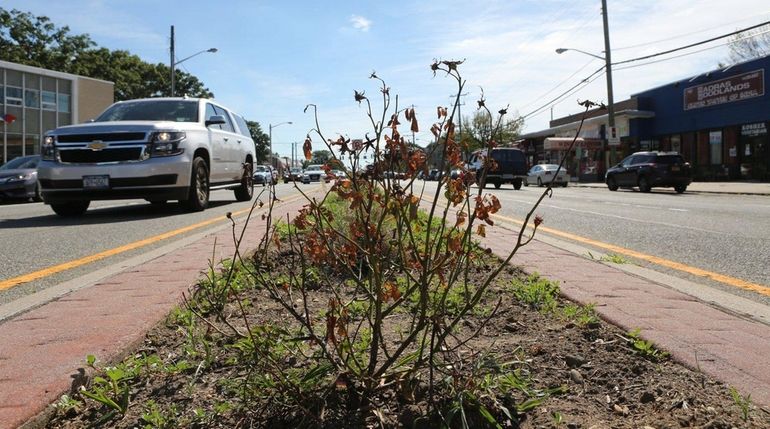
743, 402
644, 347
581, 315
537, 292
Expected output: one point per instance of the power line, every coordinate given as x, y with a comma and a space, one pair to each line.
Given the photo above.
557, 85
691, 45
639, 45
584, 81
689, 53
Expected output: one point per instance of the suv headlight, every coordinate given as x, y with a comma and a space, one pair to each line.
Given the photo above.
166, 143
48, 148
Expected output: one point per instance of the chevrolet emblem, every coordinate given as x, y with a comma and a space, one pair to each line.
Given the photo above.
96, 145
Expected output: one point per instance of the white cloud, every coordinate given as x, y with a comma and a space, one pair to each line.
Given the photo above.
360, 23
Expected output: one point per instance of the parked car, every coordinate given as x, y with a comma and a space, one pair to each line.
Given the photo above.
158, 149
546, 173
434, 174
314, 173
649, 170
18, 179
339, 174
511, 166
263, 175
293, 174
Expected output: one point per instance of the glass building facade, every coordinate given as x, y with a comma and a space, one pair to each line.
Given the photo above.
35, 100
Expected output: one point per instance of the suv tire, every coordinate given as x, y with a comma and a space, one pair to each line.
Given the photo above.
680, 188
516, 184
612, 184
246, 191
644, 184
71, 209
198, 196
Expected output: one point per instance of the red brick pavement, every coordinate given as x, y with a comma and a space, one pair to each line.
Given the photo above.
729, 348
41, 351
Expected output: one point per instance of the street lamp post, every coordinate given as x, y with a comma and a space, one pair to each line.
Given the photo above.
270, 138
175, 63
608, 66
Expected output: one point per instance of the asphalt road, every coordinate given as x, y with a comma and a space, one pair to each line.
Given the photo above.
723, 233
33, 238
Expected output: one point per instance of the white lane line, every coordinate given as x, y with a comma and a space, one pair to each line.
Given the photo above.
625, 218
679, 210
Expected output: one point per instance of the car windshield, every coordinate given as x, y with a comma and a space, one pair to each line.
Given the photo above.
21, 162
552, 167
296, 170
260, 169
313, 168
155, 110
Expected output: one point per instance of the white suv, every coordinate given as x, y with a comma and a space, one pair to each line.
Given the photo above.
158, 149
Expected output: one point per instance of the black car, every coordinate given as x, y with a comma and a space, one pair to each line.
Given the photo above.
511, 166
648, 170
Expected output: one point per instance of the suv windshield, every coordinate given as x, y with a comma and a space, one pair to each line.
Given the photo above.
156, 110
260, 169
313, 168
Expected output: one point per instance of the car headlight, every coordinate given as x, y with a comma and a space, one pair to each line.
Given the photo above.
48, 148
166, 143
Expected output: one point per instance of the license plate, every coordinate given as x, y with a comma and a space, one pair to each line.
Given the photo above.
96, 182
674, 168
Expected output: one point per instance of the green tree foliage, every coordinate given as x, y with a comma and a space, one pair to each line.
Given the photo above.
261, 140
475, 131
36, 41
320, 157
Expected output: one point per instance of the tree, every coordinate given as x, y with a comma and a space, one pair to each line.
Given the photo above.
321, 157
476, 131
749, 45
261, 140
36, 41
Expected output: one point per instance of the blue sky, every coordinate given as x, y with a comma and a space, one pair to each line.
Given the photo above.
275, 57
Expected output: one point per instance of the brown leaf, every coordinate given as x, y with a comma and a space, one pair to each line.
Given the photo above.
481, 230
307, 148
415, 128
359, 96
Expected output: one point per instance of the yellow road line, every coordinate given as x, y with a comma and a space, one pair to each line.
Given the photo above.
26, 278
728, 280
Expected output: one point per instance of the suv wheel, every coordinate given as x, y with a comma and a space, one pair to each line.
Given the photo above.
680, 188
497, 184
246, 191
517, 184
612, 184
198, 196
71, 209
644, 184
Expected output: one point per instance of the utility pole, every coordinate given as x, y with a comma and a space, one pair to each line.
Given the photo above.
172, 61
610, 103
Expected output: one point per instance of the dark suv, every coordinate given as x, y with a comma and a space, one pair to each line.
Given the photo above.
511, 166
649, 170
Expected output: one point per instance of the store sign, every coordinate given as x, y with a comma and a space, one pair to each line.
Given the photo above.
728, 90
751, 130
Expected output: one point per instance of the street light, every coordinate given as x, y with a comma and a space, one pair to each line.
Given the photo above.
563, 50
175, 63
270, 127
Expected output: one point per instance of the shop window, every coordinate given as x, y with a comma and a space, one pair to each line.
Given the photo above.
49, 100
32, 122
32, 144
32, 98
14, 148
64, 103
13, 96
715, 147
2, 94
676, 143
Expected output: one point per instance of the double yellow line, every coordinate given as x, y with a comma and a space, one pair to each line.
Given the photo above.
36, 275
721, 278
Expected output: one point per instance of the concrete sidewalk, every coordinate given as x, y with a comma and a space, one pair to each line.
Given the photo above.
742, 188
43, 351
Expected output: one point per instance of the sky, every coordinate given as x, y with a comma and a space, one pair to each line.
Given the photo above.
276, 57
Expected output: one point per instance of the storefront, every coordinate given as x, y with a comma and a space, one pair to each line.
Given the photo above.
581, 160
717, 120
35, 100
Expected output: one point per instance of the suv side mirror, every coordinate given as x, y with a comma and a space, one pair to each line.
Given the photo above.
215, 120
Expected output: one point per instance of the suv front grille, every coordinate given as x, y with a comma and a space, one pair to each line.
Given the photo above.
88, 156
105, 137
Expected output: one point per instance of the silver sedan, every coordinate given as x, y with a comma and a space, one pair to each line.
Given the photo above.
542, 174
